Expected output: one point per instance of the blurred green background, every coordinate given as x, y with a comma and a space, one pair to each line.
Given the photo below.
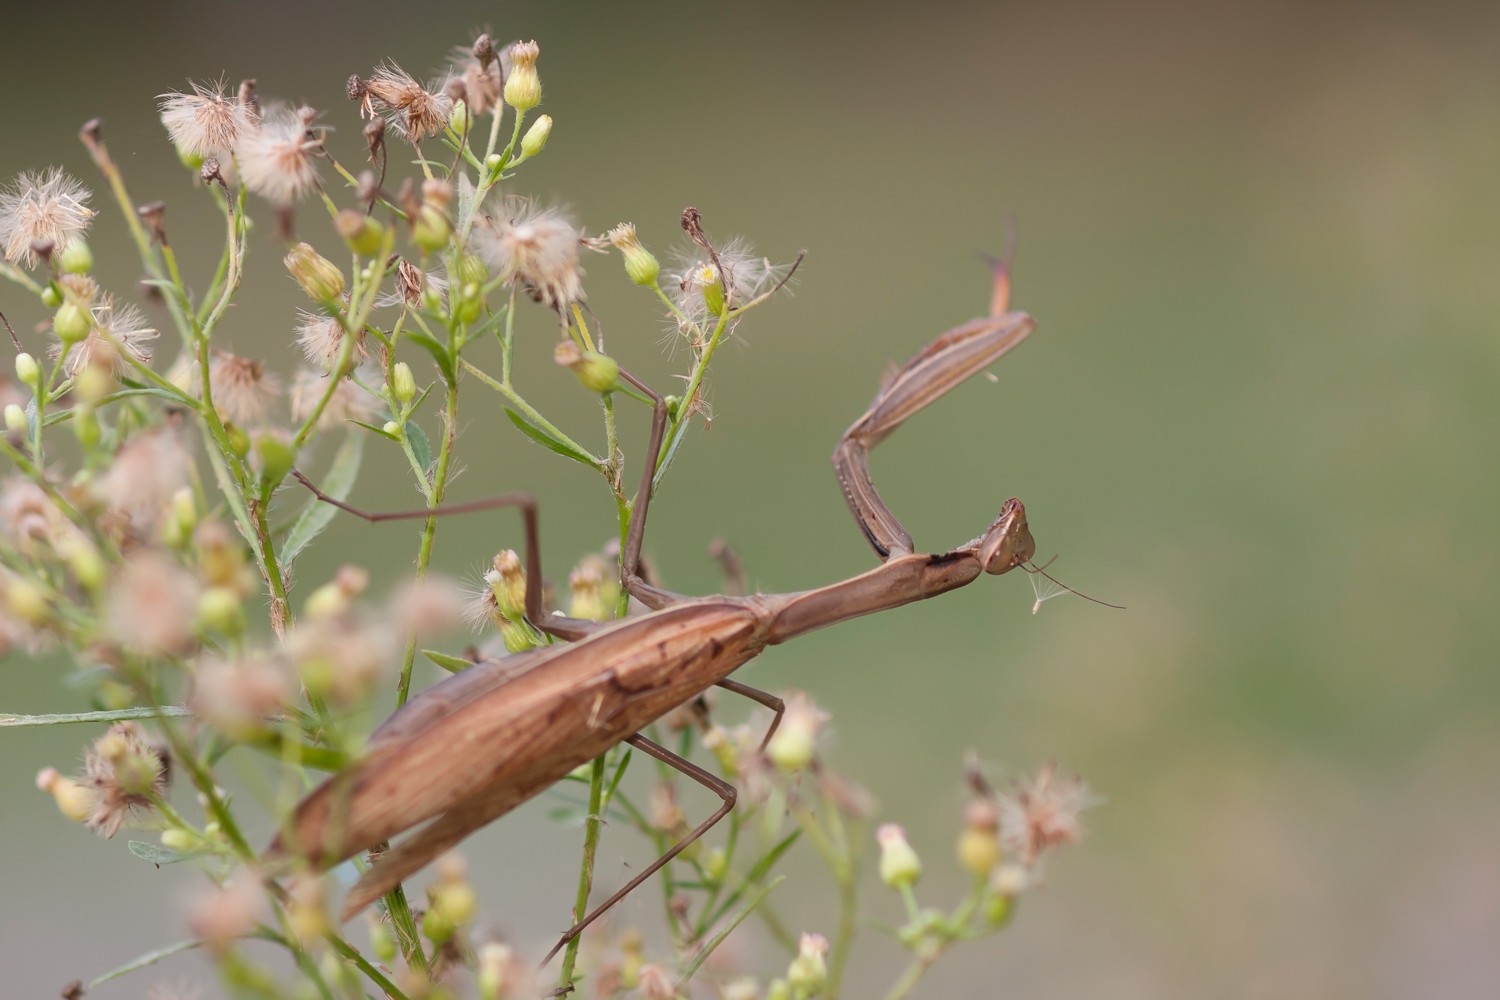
1259, 242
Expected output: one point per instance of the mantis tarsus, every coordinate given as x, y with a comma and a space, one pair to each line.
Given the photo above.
469, 749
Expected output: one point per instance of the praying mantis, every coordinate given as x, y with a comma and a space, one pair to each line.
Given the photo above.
474, 746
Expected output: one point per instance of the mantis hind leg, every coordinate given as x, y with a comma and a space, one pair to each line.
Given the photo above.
718, 786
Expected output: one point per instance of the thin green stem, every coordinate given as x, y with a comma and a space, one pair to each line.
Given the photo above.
592, 825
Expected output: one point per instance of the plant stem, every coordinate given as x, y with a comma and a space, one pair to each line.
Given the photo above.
592, 824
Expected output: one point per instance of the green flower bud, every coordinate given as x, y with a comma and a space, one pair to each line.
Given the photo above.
403, 382
493, 958
77, 258
382, 941
86, 426
94, 383
26, 601
392, 428
493, 162
809, 970
362, 233
178, 839
535, 139
219, 611
86, 563
979, 843
15, 419
318, 276
641, 265
713, 290
27, 370
779, 989
52, 297
436, 926
431, 229
470, 304
469, 270
899, 864
598, 372
239, 441
461, 119
275, 460
71, 322
523, 87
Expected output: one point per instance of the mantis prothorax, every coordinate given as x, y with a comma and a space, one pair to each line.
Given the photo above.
471, 748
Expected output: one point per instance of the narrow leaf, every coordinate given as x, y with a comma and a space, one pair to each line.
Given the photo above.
547, 440
157, 854
713, 943
115, 715
438, 351
143, 961
420, 446
337, 483
375, 430
446, 661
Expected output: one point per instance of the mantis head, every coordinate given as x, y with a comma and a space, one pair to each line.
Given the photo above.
1008, 542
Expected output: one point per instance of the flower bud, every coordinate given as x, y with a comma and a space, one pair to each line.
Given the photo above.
404, 383
493, 959
71, 323
94, 383
27, 370
899, 865
469, 270
641, 265
535, 139
713, 290
598, 372
779, 989
74, 800
451, 893
586, 587
979, 843
219, 611
84, 560
493, 162
809, 970
523, 87
77, 258
461, 119
382, 941
362, 233
86, 426
177, 839
26, 601
52, 297
796, 740
518, 637
507, 582
15, 419
275, 459
318, 276
431, 228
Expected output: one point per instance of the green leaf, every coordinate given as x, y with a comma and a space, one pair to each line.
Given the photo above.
447, 662
375, 430
547, 440
438, 351
114, 715
614, 783
337, 483
158, 855
420, 446
142, 961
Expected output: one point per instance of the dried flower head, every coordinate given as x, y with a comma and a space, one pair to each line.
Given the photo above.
126, 773
147, 470
206, 122
118, 330
705, 289
228, 913
239, 697
321, 336
406, 105
537, 248
479, 71
151, 606
340, 656
242, 388
1042, 813
278, 159
42, 209
428, 605
29, 519
350, 400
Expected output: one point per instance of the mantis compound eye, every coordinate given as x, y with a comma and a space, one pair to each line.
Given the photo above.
1008, 543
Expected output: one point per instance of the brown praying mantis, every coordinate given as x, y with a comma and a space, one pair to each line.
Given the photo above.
471, 748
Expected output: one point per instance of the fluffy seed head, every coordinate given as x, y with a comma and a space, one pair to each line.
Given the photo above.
239, 697
320, 336
206, 122
42, 209
537, 248
117, 330
242, 388
349, 401
479, 71
706, 288
147, 470
278, 160
152, 605
125, 773
406, 105
226, 914
1042, 813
